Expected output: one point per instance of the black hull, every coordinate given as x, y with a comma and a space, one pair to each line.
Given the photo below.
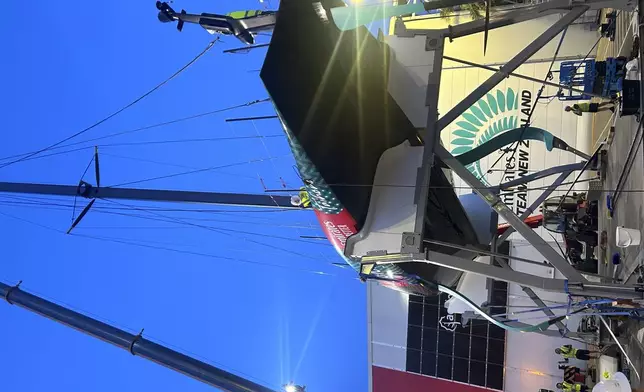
330, 89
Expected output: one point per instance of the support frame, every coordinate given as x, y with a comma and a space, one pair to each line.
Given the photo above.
412, 247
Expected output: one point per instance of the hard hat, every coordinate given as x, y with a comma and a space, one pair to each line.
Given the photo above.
296, 200
617, 383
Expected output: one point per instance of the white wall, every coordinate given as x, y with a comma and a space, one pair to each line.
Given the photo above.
408, 85
531, 352
507, 41
387, 313
530, 358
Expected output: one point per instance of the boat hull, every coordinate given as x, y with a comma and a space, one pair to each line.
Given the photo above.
330, 90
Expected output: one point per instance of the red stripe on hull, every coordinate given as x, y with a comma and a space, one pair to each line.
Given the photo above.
337, 228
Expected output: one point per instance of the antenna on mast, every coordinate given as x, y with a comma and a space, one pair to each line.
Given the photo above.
242, 24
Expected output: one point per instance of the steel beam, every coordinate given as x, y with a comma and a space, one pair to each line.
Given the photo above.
520, 76
542, 174
431, 139
529, 292
511, 17
88, 191
494, 272
533, 207
604, 290
535, 298
135, 344
487, 253
621, 348
504, 211
512, 65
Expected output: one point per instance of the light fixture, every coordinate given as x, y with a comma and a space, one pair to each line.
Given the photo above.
294, 388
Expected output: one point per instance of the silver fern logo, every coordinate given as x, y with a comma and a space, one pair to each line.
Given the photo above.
489, 117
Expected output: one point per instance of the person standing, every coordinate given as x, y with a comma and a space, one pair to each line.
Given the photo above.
568, 351
572, 387
590, 107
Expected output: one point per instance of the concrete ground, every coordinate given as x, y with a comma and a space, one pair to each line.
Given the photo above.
629, 207
621, 46
628, 212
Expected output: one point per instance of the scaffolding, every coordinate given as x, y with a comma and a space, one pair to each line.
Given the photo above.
413, 246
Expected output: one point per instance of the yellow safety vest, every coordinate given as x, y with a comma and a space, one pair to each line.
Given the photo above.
304, 197
568, 351
568, 387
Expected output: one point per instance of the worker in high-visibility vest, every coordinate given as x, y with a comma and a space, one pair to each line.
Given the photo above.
570, 387
594, 107
568, 351
302, 199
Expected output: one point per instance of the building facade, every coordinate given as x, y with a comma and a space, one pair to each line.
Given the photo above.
424, 344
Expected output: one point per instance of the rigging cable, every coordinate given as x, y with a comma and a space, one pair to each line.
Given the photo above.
577, 179
430, 186
499, 323
112, 210
227, 231
144, 128
529, 118
628, 164
196, 171
81, 179
236, 175
549, 73
114, 114
131, 243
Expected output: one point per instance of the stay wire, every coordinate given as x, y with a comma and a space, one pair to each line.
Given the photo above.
144, 128
226, 232
196, 140
550, 70
529, 118
212, 228
202, 170
145, 160
628, 164
188, 252
111, 212
59, 206
81, 179
544, 187
114, 114
131, 243
577, 178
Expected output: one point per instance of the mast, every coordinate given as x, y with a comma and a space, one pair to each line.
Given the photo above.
135, 344
93, 192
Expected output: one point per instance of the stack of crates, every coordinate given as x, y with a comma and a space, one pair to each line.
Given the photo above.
603, 78
577, 74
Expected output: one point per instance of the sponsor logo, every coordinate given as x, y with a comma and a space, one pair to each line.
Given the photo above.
498, 112
339, 232
449, 323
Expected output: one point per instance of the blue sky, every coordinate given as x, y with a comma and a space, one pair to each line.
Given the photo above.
66, 67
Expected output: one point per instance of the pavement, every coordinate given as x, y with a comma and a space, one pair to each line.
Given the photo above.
628, 210
621, 46
629, 207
